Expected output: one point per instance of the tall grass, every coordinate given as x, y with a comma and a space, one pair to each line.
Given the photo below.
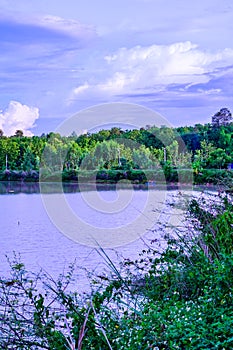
181, 298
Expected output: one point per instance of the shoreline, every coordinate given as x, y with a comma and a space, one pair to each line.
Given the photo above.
149, 177
17, 187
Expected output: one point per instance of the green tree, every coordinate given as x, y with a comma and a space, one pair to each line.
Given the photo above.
142, 158
19, 133
74, 155
218, 159
28, 160
172, 152
106, 153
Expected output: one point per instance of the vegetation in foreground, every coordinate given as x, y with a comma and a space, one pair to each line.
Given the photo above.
181, 298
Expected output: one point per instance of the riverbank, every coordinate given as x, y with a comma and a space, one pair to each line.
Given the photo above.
135, 176
28, 187
180, 298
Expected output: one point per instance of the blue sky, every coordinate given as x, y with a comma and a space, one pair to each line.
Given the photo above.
59, 57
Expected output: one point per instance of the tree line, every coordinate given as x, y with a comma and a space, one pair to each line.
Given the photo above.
199, 148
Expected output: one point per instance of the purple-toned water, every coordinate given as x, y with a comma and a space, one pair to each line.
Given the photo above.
26, 227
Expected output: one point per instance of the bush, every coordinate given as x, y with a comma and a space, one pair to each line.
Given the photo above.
181, 298
214, 176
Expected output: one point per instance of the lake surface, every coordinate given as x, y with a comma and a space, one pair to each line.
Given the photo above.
120, 218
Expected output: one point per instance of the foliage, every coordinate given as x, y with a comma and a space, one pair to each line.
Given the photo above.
178, 298
202, 148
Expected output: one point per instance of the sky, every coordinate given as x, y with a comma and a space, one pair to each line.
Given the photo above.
59, 57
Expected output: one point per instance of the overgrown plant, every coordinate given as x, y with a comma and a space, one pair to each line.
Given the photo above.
181, 298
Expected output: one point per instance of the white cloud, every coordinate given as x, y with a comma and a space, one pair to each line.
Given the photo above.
165, 64
18, 117
210, 91
81, 88
70, 27
153, 68
67, 26
42, 42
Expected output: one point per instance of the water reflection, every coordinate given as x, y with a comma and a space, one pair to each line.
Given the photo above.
16, 187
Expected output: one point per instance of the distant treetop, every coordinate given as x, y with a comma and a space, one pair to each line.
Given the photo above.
223, 117
19, 133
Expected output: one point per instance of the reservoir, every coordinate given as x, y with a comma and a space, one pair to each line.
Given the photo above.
121, 219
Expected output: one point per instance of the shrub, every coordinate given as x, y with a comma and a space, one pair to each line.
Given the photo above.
181, 298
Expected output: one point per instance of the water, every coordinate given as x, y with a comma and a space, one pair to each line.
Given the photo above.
121, 218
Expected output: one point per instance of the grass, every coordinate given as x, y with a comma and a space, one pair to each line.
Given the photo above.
181, 298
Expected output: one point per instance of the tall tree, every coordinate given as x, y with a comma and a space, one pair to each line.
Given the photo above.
19, 133
223, 117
